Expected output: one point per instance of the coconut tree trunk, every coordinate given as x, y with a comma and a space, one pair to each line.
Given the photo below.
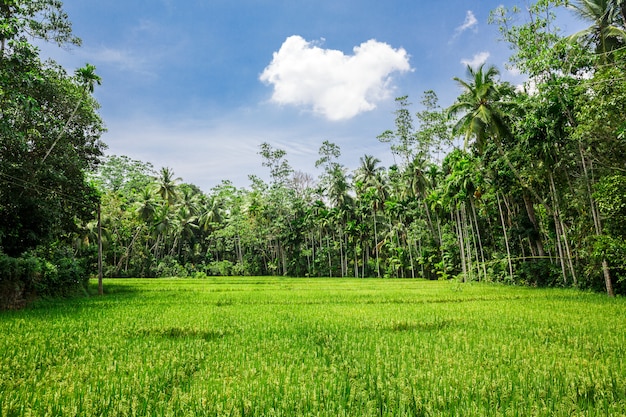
530, 210
459, 233
597, 224
506, 238
376, 246
480, 242
100, 286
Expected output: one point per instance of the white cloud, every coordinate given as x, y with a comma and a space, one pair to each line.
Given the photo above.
335, 85
477, 60
470, 22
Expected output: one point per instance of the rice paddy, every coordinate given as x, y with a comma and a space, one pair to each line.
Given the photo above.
258, 346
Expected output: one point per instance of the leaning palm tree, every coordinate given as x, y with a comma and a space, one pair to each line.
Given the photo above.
607, 32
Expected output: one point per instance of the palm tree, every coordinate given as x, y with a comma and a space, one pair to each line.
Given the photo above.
167, 185
211, 213
480, 105
369, 175
608, 29
184, 224
481, 108
86, 78
145, 206
367, 171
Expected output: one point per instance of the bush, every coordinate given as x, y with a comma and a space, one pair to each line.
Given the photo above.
17, 277
51, 273
221, 268
169, 267
539, 273
62, 273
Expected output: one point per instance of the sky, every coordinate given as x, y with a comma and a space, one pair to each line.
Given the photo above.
198, 85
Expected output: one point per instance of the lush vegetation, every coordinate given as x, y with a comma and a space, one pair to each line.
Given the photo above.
49, 140
320, 347
533, 196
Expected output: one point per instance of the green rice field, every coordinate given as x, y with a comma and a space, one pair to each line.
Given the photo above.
258, 346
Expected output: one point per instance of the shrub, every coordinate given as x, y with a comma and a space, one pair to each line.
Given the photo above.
222, 268
46, 272
169, 267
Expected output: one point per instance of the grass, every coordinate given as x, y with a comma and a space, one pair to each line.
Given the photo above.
315, 347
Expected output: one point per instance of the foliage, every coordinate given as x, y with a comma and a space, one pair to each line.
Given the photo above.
49, 139
56, 273
533, 198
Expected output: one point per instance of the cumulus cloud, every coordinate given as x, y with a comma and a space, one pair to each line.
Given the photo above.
470, 22
477, 60
333, 84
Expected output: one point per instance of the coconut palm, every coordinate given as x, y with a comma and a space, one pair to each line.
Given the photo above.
167, 185
481, 107
86, 78
146, 206
211, 213
608, 25
367, 171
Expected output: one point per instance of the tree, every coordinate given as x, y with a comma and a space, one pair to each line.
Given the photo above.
22, 20
481, 107
43, 192
403, 139
166, 184
86, 78
274, 159
607, 32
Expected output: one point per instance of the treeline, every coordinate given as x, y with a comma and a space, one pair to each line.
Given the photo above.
535, 196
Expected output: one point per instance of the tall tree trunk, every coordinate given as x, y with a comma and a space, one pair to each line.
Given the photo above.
598, 226
556, 214
409, 247
468, 249
330, 264
530, 210
506, 238
459, 233
100, 287
376, 246
480, 241
558, 218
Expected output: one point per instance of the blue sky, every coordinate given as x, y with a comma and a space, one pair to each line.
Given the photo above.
198, 85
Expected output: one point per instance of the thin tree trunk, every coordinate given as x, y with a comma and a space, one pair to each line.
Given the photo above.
330, 265
376, 246
418, 246
100, 286
410, 249
530, 210
459, 233
506, 238
480, 242
478, 262
557, 226
468, 249
598, 226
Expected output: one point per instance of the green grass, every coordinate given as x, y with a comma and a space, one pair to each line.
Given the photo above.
315, 347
